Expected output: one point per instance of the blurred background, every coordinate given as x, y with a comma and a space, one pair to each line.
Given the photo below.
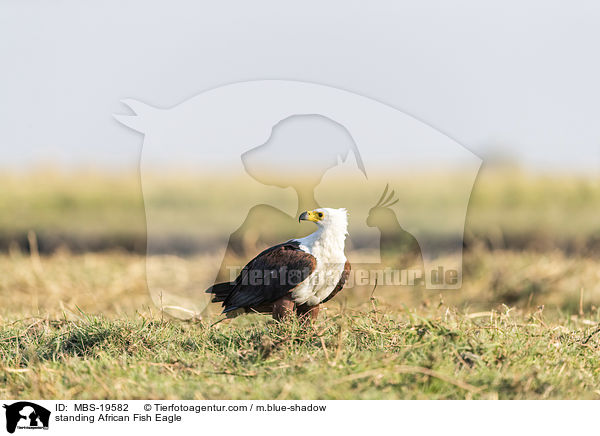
513, 82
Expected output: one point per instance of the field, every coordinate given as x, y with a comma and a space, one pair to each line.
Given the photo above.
76, 320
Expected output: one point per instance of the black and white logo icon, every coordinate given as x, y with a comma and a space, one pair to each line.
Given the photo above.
26, 415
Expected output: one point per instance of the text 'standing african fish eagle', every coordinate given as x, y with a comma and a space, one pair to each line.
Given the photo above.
299, 274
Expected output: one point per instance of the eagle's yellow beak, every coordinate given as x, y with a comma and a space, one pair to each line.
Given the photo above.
311, 215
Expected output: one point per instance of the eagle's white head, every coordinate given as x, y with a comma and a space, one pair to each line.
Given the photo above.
330, 220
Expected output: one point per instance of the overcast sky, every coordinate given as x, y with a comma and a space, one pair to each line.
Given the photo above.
514, 78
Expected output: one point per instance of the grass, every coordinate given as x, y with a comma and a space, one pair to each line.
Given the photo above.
345, 355
80, 325
508, 208
114, 284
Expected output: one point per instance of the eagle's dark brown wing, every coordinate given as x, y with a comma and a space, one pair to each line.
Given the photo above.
341, 283
266, 278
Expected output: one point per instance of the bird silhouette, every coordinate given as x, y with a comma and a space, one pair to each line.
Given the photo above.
398, 248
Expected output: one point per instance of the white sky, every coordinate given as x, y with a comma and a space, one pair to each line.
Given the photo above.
518, 77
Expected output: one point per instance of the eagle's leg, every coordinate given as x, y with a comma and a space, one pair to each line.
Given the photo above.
283, 308
309, 312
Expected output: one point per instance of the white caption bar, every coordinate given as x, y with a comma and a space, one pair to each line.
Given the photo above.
21, 417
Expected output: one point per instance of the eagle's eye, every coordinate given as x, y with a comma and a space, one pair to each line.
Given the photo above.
320, 214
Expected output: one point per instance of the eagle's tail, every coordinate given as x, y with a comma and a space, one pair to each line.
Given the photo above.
220, 291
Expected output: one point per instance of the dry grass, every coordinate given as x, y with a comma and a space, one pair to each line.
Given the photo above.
114, 284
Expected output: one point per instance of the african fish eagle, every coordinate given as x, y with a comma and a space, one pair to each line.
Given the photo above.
298, 274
